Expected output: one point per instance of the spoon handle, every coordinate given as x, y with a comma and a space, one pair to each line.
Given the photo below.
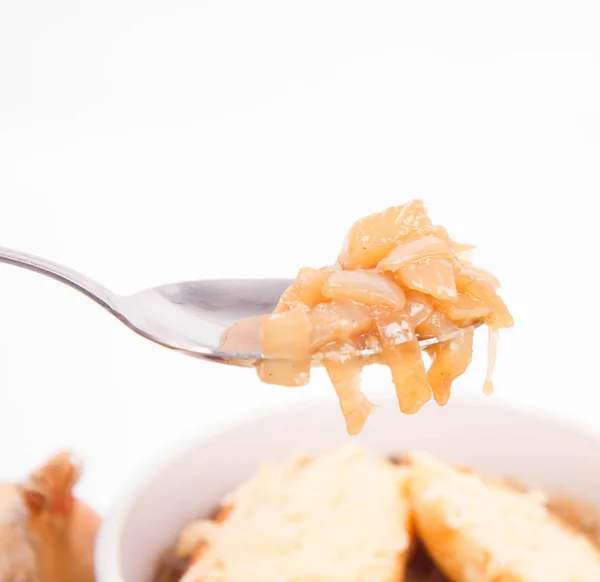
62, 274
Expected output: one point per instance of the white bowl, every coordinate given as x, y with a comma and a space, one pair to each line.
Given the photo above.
490, 436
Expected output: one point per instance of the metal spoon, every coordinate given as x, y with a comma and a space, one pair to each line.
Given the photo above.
189, 317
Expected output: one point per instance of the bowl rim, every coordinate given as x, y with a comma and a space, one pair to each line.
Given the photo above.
107, 562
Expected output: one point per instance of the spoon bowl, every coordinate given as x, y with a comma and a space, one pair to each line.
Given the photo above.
192, 316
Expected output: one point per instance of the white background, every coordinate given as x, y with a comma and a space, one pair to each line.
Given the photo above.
145, 142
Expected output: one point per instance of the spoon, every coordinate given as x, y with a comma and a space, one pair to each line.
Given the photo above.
189, 317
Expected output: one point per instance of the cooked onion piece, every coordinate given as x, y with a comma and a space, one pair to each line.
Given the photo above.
306, 291
449, 361
409, 252
371, 239
463, 307
402, 354
286, 339
338, 321
364, 287
345, 377
433, 276
398, 279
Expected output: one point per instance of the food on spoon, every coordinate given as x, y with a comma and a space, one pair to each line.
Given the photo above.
399, 279
477, 529
46, 534
340, 516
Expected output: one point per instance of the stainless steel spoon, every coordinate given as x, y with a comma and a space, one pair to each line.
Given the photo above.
189, 317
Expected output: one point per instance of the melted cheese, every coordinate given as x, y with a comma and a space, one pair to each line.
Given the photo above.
339, 517
480, 531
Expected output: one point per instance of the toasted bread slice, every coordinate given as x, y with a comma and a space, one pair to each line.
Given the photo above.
480, 530
342, 516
